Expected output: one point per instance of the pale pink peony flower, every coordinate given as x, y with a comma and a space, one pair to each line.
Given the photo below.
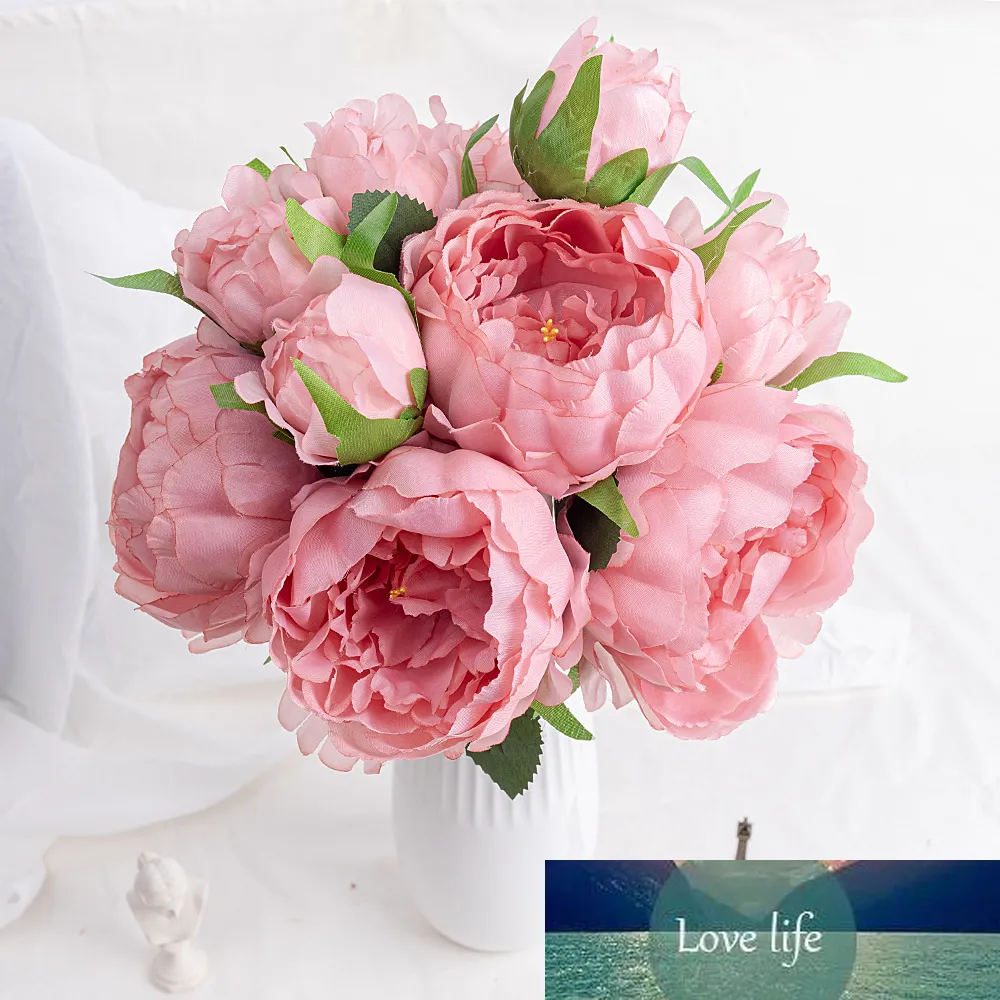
563, 339
419, 612
677, 613
201, 496
361, 339
238, 262
768, 302
640, 105
381, 147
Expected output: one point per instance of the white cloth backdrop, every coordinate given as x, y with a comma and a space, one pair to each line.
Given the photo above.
875, 120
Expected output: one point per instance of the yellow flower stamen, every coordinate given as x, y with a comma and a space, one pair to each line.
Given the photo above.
549, 332
396, 592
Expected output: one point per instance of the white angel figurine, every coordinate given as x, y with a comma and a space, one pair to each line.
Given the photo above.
168, 907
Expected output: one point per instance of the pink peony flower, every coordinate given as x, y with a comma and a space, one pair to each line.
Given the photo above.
677, 613
201, 495
767, 300
829, 519
361, 339
419, 612
381, 147
239, 264
640, 105
563, 339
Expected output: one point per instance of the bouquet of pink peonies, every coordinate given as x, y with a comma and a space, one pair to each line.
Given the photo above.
466, 426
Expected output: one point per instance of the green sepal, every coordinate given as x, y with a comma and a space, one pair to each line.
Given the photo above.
418, 384
711, 253
561, 718
262, 168
618, 178
227, 398
314, 238
559, 154
525, 116
470, 185
608, 499
844, 363
716, 374
512, 764
410, 217
360, 438
290, 157
149, 281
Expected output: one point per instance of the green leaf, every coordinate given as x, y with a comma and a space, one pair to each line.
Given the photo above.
290, 157
650, 187
716, 375
282, 435
618, 178
595, 531
574, 676
741, 194
149, 281
560, 152
262, 168
561, 718
361, 438
607, 498
267, 661
513, 764
227, 398
470, 185
418, 383
314, 238
698, 168
844, 363
410, 217
711, 253
359, 250
524, 121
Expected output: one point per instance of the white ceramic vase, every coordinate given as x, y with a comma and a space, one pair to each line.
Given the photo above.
472, 859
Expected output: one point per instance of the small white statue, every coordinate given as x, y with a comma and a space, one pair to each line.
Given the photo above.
168, 906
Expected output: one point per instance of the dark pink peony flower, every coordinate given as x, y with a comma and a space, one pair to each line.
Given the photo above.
201, 495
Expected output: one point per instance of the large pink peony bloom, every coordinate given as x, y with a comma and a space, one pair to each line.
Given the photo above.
677, 614
238, 262
420, 612
361, 339
201, 495
564, 339
829, 519
381, 147
640, 106
768, 302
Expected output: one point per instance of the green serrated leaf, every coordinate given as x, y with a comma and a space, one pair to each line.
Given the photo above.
362, 244
290, 157
650, 187
595, 531
470, 185
227, 398
418, 383
560, 152
844, 363
711, 253
149, 281
618, 178
361, 438
313, 238
607, 498
410, 217
262, 168
561, 718
513, 764
716, 375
